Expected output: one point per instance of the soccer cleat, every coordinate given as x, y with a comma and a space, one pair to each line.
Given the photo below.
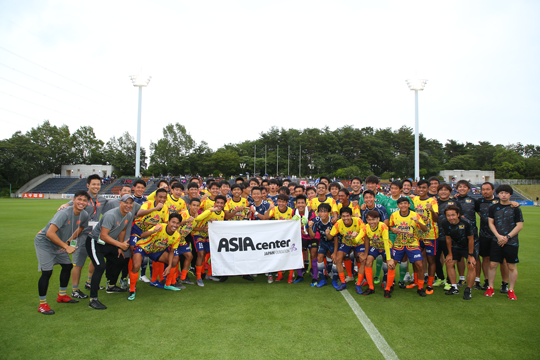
187, 282
426, 278
512, 295
421, 292
359, 290
200, 283
321, 283
299, 279
429, 290
314, 282
489, 292
438, 282
335, 284
279, 277
290, 281
486, 284
410, 286
156, 284
504, 288
477, 285
115, 289
66, 299
364, 282
387, 294
407, 278
124, 283
131, 295
45, 309
447, 286
376, 280
179, 285
173, 288
96, 304
402, 285
452, 291
461, 283
144, 279
342, 287
369, 292
78, 294
270, 279
248, 278
213, 278
223, 278
383, 285
87, 286
467, 294
349, 279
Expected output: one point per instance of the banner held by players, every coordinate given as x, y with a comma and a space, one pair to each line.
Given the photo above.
255, 247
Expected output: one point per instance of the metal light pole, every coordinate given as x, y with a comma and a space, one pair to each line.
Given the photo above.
416, 85
139, 81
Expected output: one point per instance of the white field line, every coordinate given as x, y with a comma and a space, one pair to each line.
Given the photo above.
376, 336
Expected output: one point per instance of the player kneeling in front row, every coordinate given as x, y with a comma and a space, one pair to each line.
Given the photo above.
406, 224
376, 239
159, 244
108, 240
459, 235
52, 249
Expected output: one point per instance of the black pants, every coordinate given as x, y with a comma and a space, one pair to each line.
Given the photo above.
98, 253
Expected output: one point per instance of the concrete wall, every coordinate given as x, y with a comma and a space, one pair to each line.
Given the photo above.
33, 183
473, 176
86, 170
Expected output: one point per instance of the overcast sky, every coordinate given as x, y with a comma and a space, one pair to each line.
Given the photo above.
228, 70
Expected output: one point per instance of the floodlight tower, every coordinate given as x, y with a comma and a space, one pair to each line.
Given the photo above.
416, 85
139, 81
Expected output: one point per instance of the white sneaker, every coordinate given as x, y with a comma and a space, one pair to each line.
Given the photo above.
407, 277
144, 279
348, 279
270, 279
200, 282
213, 278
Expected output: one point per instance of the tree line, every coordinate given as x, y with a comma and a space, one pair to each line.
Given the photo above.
345, 152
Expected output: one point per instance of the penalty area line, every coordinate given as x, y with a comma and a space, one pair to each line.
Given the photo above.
375, 335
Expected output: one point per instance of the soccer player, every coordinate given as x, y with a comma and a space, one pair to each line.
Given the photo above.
139, 187
377, 242
94, 209
322, 198
407, 188
162, 184
505, 222
372, 182
108, 240
308, 244
273, 191
208, 202
192, 192
225, 189
428, 209
174, 202
52, 248
356, 186
348, 227
322, 225
311, 193
158, 243
459, 235
299, 190
234, 209
200, 235
406, 224
186, 227
433, 186
334, 190
281, 212
260, 207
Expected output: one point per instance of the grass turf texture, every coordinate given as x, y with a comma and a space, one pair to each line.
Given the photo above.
241, 319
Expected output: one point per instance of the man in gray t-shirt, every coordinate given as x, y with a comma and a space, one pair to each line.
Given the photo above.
108, 240
52, 249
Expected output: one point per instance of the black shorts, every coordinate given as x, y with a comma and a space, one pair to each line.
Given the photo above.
309, 243
459, 253
485, 246
441, 246
508, 252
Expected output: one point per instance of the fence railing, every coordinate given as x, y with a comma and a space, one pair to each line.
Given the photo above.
518, 181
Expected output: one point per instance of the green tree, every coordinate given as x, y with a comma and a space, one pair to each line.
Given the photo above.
121, 153
86, 147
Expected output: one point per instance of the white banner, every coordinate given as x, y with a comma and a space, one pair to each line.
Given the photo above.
255, 247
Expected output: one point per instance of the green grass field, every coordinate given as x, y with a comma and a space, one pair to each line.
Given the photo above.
249, 320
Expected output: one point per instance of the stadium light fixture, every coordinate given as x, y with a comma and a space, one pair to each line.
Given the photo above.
139, 81
416, 85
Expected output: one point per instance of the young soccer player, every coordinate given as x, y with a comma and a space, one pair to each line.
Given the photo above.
273, 186
433, 186
260, 207
428, 209
377, 242
186, 227
225, 189
505, 222
281, 212
406, 224
192, 192
158, 243
322, 225
372, 183
139, 187
208, 202
108, 240
174, 202
236, 207
348, 227
52, 249
334, 190
459, 235
356, 186
162, 184
308, 244
407, 188
322, 198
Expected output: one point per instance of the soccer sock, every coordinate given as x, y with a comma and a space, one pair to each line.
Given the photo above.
74, 287
89, 280
209, 271
42, 300
476, 279
183, 275
430, 280
291, 274
279, 276
391, 277
369, 277
315, 269
348, 267
320, 267
379, 266
360, 279
342, 277
206, 257
329, 266
154, 272
334, 273
385, 271
421, 284
402, 270
198, 270
133, 277
62, 291
462, 278
325, 265
170, 277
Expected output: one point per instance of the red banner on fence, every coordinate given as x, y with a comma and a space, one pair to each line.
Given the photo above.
32, 196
